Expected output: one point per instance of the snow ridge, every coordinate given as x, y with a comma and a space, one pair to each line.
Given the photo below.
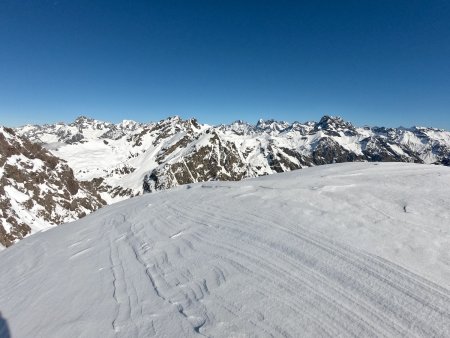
273, 256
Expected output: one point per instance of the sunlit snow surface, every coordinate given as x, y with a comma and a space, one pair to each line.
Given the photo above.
353, 249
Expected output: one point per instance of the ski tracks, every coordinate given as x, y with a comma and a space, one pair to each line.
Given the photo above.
139, 287
319, 285
199, 271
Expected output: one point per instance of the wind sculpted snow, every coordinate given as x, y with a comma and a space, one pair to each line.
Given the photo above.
341, 250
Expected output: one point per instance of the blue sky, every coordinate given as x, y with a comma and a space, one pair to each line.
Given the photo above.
371, 62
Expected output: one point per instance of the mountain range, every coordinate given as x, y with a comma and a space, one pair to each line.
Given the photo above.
110, 162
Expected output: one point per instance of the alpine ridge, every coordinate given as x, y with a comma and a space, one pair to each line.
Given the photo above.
57, 173
127, 159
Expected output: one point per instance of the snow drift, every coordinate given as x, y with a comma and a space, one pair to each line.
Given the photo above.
353, 249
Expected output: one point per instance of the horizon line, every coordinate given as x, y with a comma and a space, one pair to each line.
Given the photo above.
260, 120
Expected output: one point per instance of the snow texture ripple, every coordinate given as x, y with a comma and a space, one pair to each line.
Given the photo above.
352, 250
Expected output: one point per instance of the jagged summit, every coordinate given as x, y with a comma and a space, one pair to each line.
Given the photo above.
271, 125
328, 121
83, 119
335, 126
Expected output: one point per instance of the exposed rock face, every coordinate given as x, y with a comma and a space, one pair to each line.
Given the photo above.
216, 160
127, 159
37, 189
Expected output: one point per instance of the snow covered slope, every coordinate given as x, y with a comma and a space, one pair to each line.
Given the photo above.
37, 190
126, 159
355, 249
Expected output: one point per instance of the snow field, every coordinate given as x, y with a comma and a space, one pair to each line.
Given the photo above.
354, 249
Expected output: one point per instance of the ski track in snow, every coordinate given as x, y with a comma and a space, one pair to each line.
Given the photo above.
235, 260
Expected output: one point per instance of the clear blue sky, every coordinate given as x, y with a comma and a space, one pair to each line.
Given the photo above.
371, 62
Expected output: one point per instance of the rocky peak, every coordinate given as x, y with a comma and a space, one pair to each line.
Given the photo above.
333, 122
333, 125
83, 121
128, 125
271, 125
238, 127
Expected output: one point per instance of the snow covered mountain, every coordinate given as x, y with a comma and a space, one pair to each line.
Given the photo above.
127, 159
37, 190
348, 250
